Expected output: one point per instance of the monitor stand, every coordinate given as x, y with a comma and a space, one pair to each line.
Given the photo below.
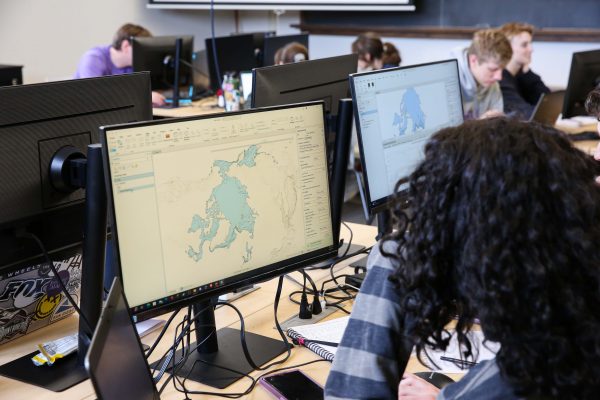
221, 353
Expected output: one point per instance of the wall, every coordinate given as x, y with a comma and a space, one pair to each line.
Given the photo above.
551, 60
49, 36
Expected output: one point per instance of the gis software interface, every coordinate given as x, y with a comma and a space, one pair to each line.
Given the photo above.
199, 201
398, 111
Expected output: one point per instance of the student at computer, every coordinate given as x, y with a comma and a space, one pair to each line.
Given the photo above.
504, 228
480, 67
521, 87
391, 56
115, 58
369, 48
291, 53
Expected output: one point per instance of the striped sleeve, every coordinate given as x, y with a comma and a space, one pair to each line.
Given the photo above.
372, 354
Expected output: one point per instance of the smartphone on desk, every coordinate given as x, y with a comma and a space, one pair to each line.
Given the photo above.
292, 385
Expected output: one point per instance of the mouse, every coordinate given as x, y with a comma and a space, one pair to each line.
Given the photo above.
435, 378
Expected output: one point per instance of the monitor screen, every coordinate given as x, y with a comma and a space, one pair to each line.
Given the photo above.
204, 205
396, 112
323, 79
157, 54
583, 77
274, 43
233, 54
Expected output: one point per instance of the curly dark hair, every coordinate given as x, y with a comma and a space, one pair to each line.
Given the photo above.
505, 227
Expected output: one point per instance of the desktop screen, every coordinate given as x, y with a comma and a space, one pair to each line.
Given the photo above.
396, 111
157, 54
584, 76
233, 54
205, 204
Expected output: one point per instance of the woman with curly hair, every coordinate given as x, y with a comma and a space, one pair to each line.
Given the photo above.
504, 227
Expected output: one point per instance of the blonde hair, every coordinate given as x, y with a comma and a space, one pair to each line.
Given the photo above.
512, 29
491, 45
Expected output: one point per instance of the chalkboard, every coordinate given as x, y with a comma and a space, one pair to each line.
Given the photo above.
549, 15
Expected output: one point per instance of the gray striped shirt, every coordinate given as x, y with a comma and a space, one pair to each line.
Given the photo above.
372, 355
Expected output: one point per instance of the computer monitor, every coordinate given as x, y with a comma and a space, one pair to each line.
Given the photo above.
322, 79
208, 204
157, 55
583, 77
396, 111
274, 43
116, 343
37, 124
233, 54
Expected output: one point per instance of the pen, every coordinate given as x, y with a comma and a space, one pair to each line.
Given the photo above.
303, 342
459, 361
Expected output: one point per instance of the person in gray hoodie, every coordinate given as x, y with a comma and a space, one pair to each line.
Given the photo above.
480, 68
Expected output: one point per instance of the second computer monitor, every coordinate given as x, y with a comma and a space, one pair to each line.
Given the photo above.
396, 112
323, 79
583, 77
231, 54
157, 55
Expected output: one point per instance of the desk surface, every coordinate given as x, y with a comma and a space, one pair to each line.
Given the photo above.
205, 106
257, 308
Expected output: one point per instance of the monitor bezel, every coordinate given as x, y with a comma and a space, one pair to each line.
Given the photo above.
375, 206
579, 62
257, 275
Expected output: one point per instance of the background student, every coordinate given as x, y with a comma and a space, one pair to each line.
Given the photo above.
369, 48
480, 67
521, 87
291, 53
114, 59
391, 56
504, 227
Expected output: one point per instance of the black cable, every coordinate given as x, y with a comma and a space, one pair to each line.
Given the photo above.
349, 241
162, 333
178, 337
29, 235
214, 44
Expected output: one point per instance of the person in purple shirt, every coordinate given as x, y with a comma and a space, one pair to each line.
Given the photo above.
114, 59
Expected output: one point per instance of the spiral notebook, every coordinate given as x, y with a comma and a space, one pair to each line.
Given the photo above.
329, 331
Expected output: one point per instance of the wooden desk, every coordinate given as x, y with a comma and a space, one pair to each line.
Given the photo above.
201, 107
257, 308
